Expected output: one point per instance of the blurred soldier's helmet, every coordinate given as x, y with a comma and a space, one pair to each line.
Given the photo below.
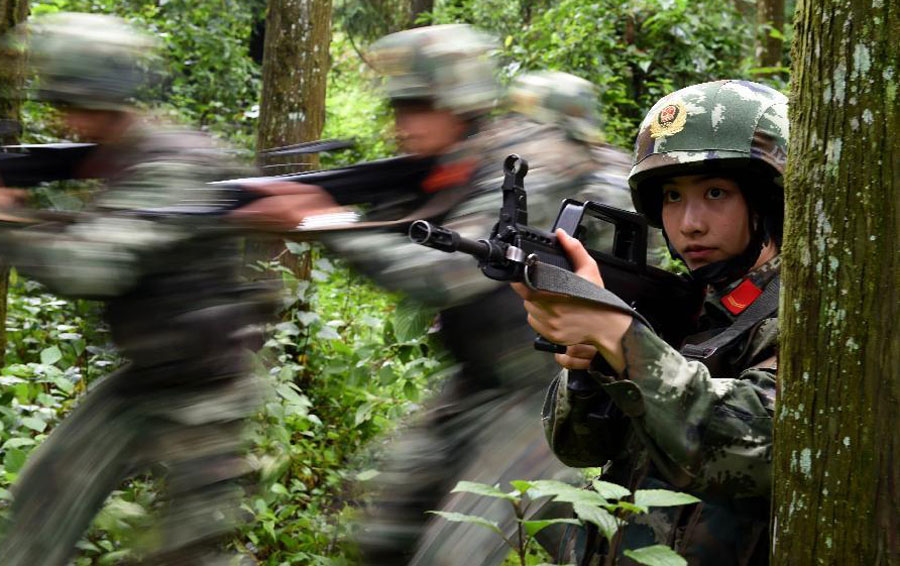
730, 128
448, 65
90, 61
553, 97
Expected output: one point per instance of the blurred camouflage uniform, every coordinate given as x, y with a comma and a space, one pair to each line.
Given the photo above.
695, 422
174, 308
484, 425
570, 102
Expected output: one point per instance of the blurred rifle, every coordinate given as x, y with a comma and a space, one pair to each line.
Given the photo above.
384, 186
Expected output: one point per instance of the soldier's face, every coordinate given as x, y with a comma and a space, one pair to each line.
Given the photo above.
93, 125
706, 218
424, 130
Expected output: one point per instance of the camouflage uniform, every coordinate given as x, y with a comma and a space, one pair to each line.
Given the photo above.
175, 312
483, 426
697, 425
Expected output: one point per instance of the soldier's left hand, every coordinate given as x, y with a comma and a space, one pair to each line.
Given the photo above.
284, 205
566, 320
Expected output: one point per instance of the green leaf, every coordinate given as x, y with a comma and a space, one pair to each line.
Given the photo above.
471, 519
657, 555
296, 248
328, 333
307, 317
483, 489
604, 520
64, 384
411, 320
543, 488
14, 460
610, 490
367, 475
662, 498
19, 442
34, 423
50, 356
521, 486
534, 527
292, 396
627, 506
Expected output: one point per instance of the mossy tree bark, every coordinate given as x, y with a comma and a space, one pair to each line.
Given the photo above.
836, 478
12, 13
292, 106
295, 69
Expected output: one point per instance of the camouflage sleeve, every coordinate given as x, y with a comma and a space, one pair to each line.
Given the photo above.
443, 279
108, 249
708, 435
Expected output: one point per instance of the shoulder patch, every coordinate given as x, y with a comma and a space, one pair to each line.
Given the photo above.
741, 297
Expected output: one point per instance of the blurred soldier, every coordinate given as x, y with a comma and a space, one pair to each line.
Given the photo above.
484, 425
570, 102
172, 302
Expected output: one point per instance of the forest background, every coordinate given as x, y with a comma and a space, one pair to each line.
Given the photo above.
346, 363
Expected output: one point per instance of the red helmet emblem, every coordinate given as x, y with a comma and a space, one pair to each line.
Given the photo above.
668, 114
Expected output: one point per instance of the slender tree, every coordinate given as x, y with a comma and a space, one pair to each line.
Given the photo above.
836, 474
292, 105
417, 8
770, 19
12, 13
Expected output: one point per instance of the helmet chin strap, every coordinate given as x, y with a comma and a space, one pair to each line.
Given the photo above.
727, 270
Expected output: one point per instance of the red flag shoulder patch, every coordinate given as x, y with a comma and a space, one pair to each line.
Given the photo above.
741, 297
448, 175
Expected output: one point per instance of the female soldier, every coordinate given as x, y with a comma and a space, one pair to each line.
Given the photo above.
708, 169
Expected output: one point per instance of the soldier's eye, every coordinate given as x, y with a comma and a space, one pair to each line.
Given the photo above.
671, 196
716, 193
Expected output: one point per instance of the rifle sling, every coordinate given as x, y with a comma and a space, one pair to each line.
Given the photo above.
541, 276
762, 308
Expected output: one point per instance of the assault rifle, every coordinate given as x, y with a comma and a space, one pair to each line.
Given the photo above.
385, 185
667, 301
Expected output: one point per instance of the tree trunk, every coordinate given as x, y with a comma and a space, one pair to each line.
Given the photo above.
292, 105
417, 8
12, 13
295, 69
769, 13
836, 478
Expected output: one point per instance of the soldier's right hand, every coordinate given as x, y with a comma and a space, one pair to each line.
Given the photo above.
12, 198
284, 205
577, 356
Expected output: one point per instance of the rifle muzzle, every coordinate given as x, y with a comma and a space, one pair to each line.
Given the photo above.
427, 234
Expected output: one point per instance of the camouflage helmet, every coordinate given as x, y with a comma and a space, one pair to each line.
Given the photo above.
727, 126
450, 65
89, 61
553, 97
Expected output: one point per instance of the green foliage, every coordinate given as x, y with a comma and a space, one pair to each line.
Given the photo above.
341, 374
354, 108
607, 506
636, 51
210, 78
